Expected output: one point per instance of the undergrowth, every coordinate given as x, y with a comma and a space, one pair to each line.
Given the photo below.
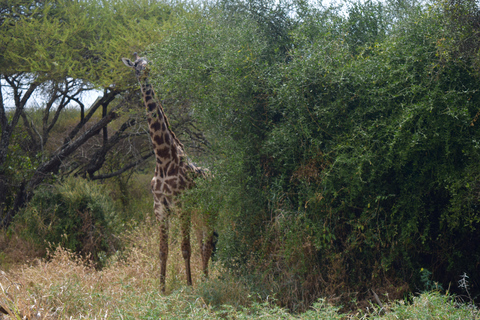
67, 286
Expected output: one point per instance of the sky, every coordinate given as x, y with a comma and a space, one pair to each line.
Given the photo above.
37, 99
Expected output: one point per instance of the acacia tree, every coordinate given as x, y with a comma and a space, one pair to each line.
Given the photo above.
52, 53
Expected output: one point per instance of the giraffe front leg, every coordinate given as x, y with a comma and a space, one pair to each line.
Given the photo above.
186, 247
161, 213
163, 253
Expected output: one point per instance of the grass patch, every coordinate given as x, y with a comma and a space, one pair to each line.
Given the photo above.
67, 286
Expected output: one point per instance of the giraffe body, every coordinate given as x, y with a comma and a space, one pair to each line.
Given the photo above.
173, 174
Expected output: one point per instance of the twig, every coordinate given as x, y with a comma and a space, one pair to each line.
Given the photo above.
378, 301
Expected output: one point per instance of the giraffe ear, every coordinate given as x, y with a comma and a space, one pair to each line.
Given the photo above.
128, 62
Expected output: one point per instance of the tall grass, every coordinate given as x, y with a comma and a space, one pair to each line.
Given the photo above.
67, 286
62, 284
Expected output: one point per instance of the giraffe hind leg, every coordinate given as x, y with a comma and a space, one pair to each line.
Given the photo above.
186, 246
206, 249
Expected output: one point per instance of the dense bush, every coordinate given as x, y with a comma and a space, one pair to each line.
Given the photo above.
76, 214
348, 161
376, 149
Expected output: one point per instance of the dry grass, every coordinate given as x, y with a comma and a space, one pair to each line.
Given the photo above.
65, 286
15, 250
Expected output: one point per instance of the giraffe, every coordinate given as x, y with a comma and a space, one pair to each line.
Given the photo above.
174, 173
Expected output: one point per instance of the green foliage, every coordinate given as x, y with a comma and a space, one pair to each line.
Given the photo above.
217, 65
273, 21
76, 214
225, 290
353, 162
379, 139
76, 39
462, 21
428, 283
19, 165
132, 196
432, 305
203, 201
367, 23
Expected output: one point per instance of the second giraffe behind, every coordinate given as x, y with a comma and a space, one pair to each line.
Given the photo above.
173, 174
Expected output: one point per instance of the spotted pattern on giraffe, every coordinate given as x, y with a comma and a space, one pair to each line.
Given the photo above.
173, 174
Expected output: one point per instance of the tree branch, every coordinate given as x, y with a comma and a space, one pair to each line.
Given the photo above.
68, 148
98, 159
127, 167
7, 128
29, 128
3, 117
106, 99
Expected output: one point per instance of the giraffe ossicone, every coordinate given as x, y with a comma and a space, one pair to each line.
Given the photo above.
174, 173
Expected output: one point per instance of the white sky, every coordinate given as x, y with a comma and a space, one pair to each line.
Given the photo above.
37, 99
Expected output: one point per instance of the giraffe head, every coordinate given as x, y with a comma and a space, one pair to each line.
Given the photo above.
139, 65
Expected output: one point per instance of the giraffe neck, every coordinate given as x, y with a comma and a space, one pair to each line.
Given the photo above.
166, 145
171, 166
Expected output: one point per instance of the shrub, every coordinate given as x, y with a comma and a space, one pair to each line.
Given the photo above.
76, 214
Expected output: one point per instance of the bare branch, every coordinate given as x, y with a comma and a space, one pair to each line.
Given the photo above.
7, 128
3, 117
28, 127
98, 158
106, 99
127, 167
68, 148
46, 112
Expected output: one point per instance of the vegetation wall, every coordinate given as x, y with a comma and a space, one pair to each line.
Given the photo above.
345, 147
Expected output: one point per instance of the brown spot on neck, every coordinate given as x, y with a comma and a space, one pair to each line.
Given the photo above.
155, 126
151, 106
163, 153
